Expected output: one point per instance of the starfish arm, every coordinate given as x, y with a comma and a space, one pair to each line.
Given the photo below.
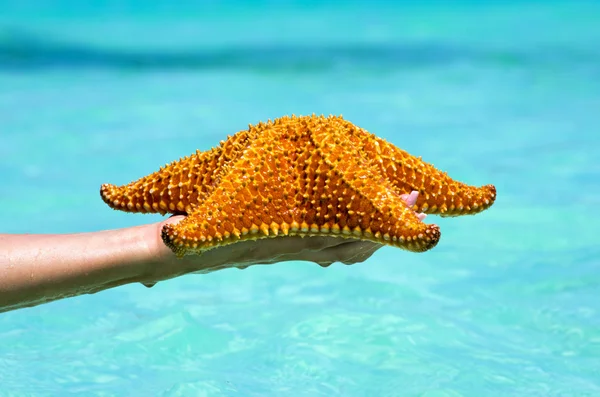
373, 207
438, 193
255, 199
177, 187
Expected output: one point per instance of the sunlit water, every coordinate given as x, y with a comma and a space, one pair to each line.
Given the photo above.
506, 305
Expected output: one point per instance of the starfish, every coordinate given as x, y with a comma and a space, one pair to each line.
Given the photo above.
304, 176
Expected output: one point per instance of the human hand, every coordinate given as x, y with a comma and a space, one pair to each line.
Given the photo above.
321, 250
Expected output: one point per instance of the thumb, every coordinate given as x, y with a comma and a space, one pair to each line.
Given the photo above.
172, 220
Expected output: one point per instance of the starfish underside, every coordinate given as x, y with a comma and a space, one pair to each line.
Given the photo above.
306, 176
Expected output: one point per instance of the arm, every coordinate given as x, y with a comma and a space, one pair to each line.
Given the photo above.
36, 269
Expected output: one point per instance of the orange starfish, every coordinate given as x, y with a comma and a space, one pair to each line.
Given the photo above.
306, 176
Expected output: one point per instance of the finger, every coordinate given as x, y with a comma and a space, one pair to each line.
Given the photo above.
410, 198
362, 255
323, 242
351, 252
294, 246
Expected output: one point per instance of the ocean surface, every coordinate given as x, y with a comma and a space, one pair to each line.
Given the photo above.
508, 93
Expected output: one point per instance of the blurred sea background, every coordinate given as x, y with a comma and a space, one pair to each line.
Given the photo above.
502, 92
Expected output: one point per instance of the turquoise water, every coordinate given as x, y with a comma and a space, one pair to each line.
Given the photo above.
503, 92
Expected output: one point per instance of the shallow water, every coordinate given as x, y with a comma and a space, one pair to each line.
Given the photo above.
504, 93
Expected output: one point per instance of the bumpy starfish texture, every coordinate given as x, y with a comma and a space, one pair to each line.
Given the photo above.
306, 176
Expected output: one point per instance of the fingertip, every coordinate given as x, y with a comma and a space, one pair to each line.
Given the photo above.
172, 220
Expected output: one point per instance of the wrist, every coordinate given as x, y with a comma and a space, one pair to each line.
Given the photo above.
158, 261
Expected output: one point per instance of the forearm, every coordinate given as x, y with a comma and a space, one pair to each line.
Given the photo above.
35, 269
